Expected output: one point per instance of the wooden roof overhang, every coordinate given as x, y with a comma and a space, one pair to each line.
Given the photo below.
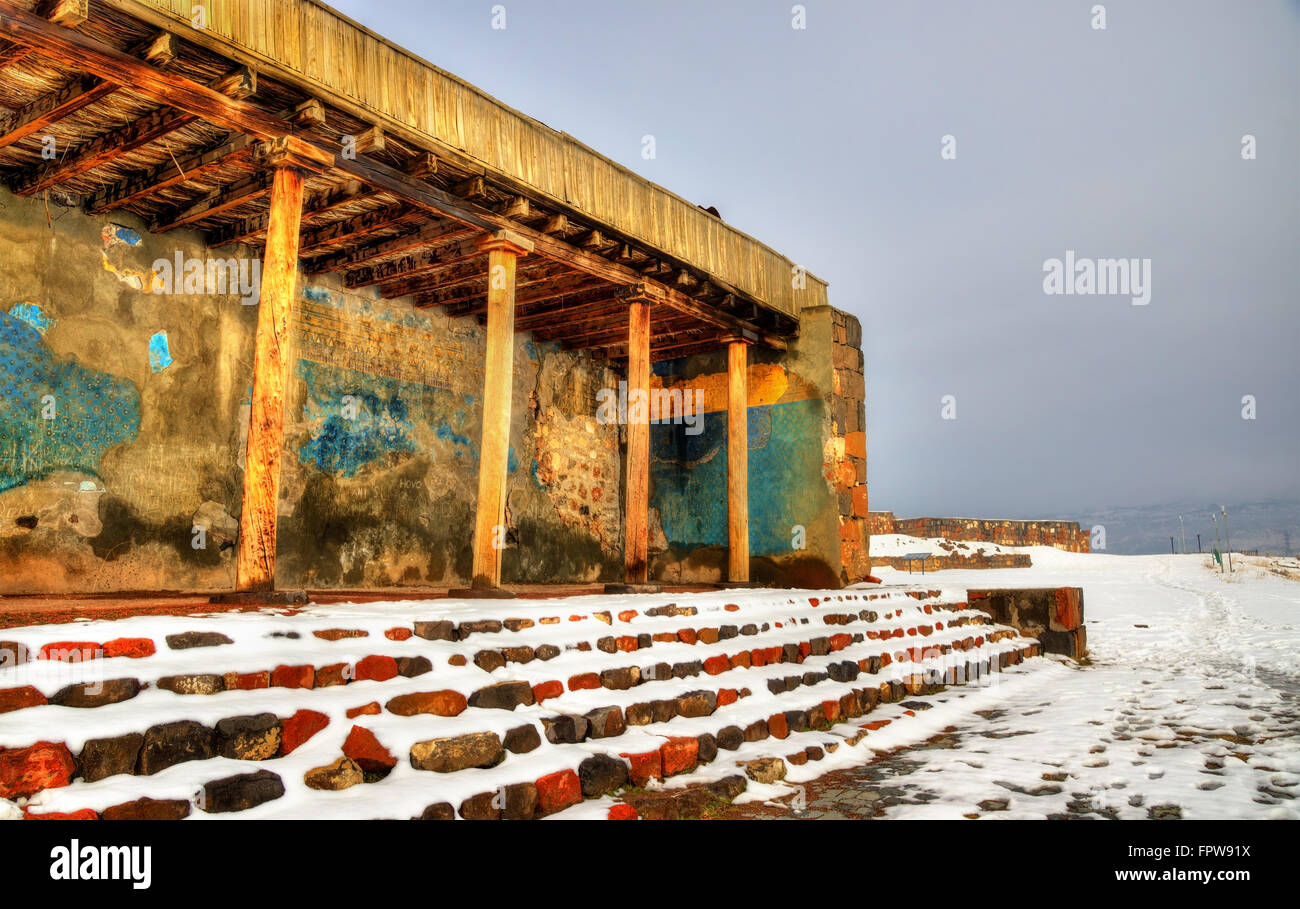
181, 135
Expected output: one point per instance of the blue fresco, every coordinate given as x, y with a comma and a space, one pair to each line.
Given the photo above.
126, 235
688, 476
160, 355
33, 315
89, 411
380, 426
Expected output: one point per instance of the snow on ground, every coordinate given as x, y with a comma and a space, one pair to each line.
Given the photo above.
1192, 699
890, 545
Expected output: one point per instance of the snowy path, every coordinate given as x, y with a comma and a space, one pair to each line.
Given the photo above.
1190, 707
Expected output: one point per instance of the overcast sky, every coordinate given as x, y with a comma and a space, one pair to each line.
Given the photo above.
825, 143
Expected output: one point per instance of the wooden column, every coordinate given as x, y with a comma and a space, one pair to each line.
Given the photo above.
503, 249
737, 462
255, 568
636, 511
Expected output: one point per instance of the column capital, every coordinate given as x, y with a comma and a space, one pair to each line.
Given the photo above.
641, 292
290, 151
505, 241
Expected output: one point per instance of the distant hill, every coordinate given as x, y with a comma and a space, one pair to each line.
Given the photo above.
1146, 529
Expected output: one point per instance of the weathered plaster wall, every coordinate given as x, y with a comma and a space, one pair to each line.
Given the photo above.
150, 394
120, 410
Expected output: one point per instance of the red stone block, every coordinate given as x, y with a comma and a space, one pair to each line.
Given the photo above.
376, 669
875, 724
457, 659
247, 681
680, 754
1067, 613
299, 728
627, 615
626, 643
18, 698
715, 665
557, 791
727, 696
813, 601
397, 634
26, 771
293, 676
544, 690
687, 636
70, 651
85, 814
585, 680
370, 709
133, 648
362, 747
665, 637
622, 812
840, 641
911, 632
741, 660
332, 675
731, 607
646, 766
777, 727
758, 657
831, 710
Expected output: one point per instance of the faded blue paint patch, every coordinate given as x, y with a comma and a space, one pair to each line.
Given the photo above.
359, 419
91, 411
126, 235
160, 355
445, 433
317, 294
689, 476
33, 315
512, 463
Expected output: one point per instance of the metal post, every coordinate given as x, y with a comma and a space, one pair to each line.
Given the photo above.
1182, 532
1172, 550
1227, 536
1198, 542
1217, 544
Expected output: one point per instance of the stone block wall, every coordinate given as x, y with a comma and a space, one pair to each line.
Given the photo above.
1065, 535
1054, 615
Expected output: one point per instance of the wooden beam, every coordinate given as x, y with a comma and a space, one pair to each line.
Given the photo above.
66, 13
737, 462
420, 263
396, 215
473, 188
636, 510
41, 113
603, 305
13, 54
556, 224
168, 174
310, 114
255, 564
317, 206
498, 377
119, 142
90, 55
429, 235
466, 300
216, 202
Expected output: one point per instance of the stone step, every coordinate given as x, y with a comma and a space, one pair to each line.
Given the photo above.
408, 740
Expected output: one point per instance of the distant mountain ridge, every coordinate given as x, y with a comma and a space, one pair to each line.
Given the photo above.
1146, 529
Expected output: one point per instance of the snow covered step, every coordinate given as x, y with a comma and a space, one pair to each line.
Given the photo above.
478, 738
